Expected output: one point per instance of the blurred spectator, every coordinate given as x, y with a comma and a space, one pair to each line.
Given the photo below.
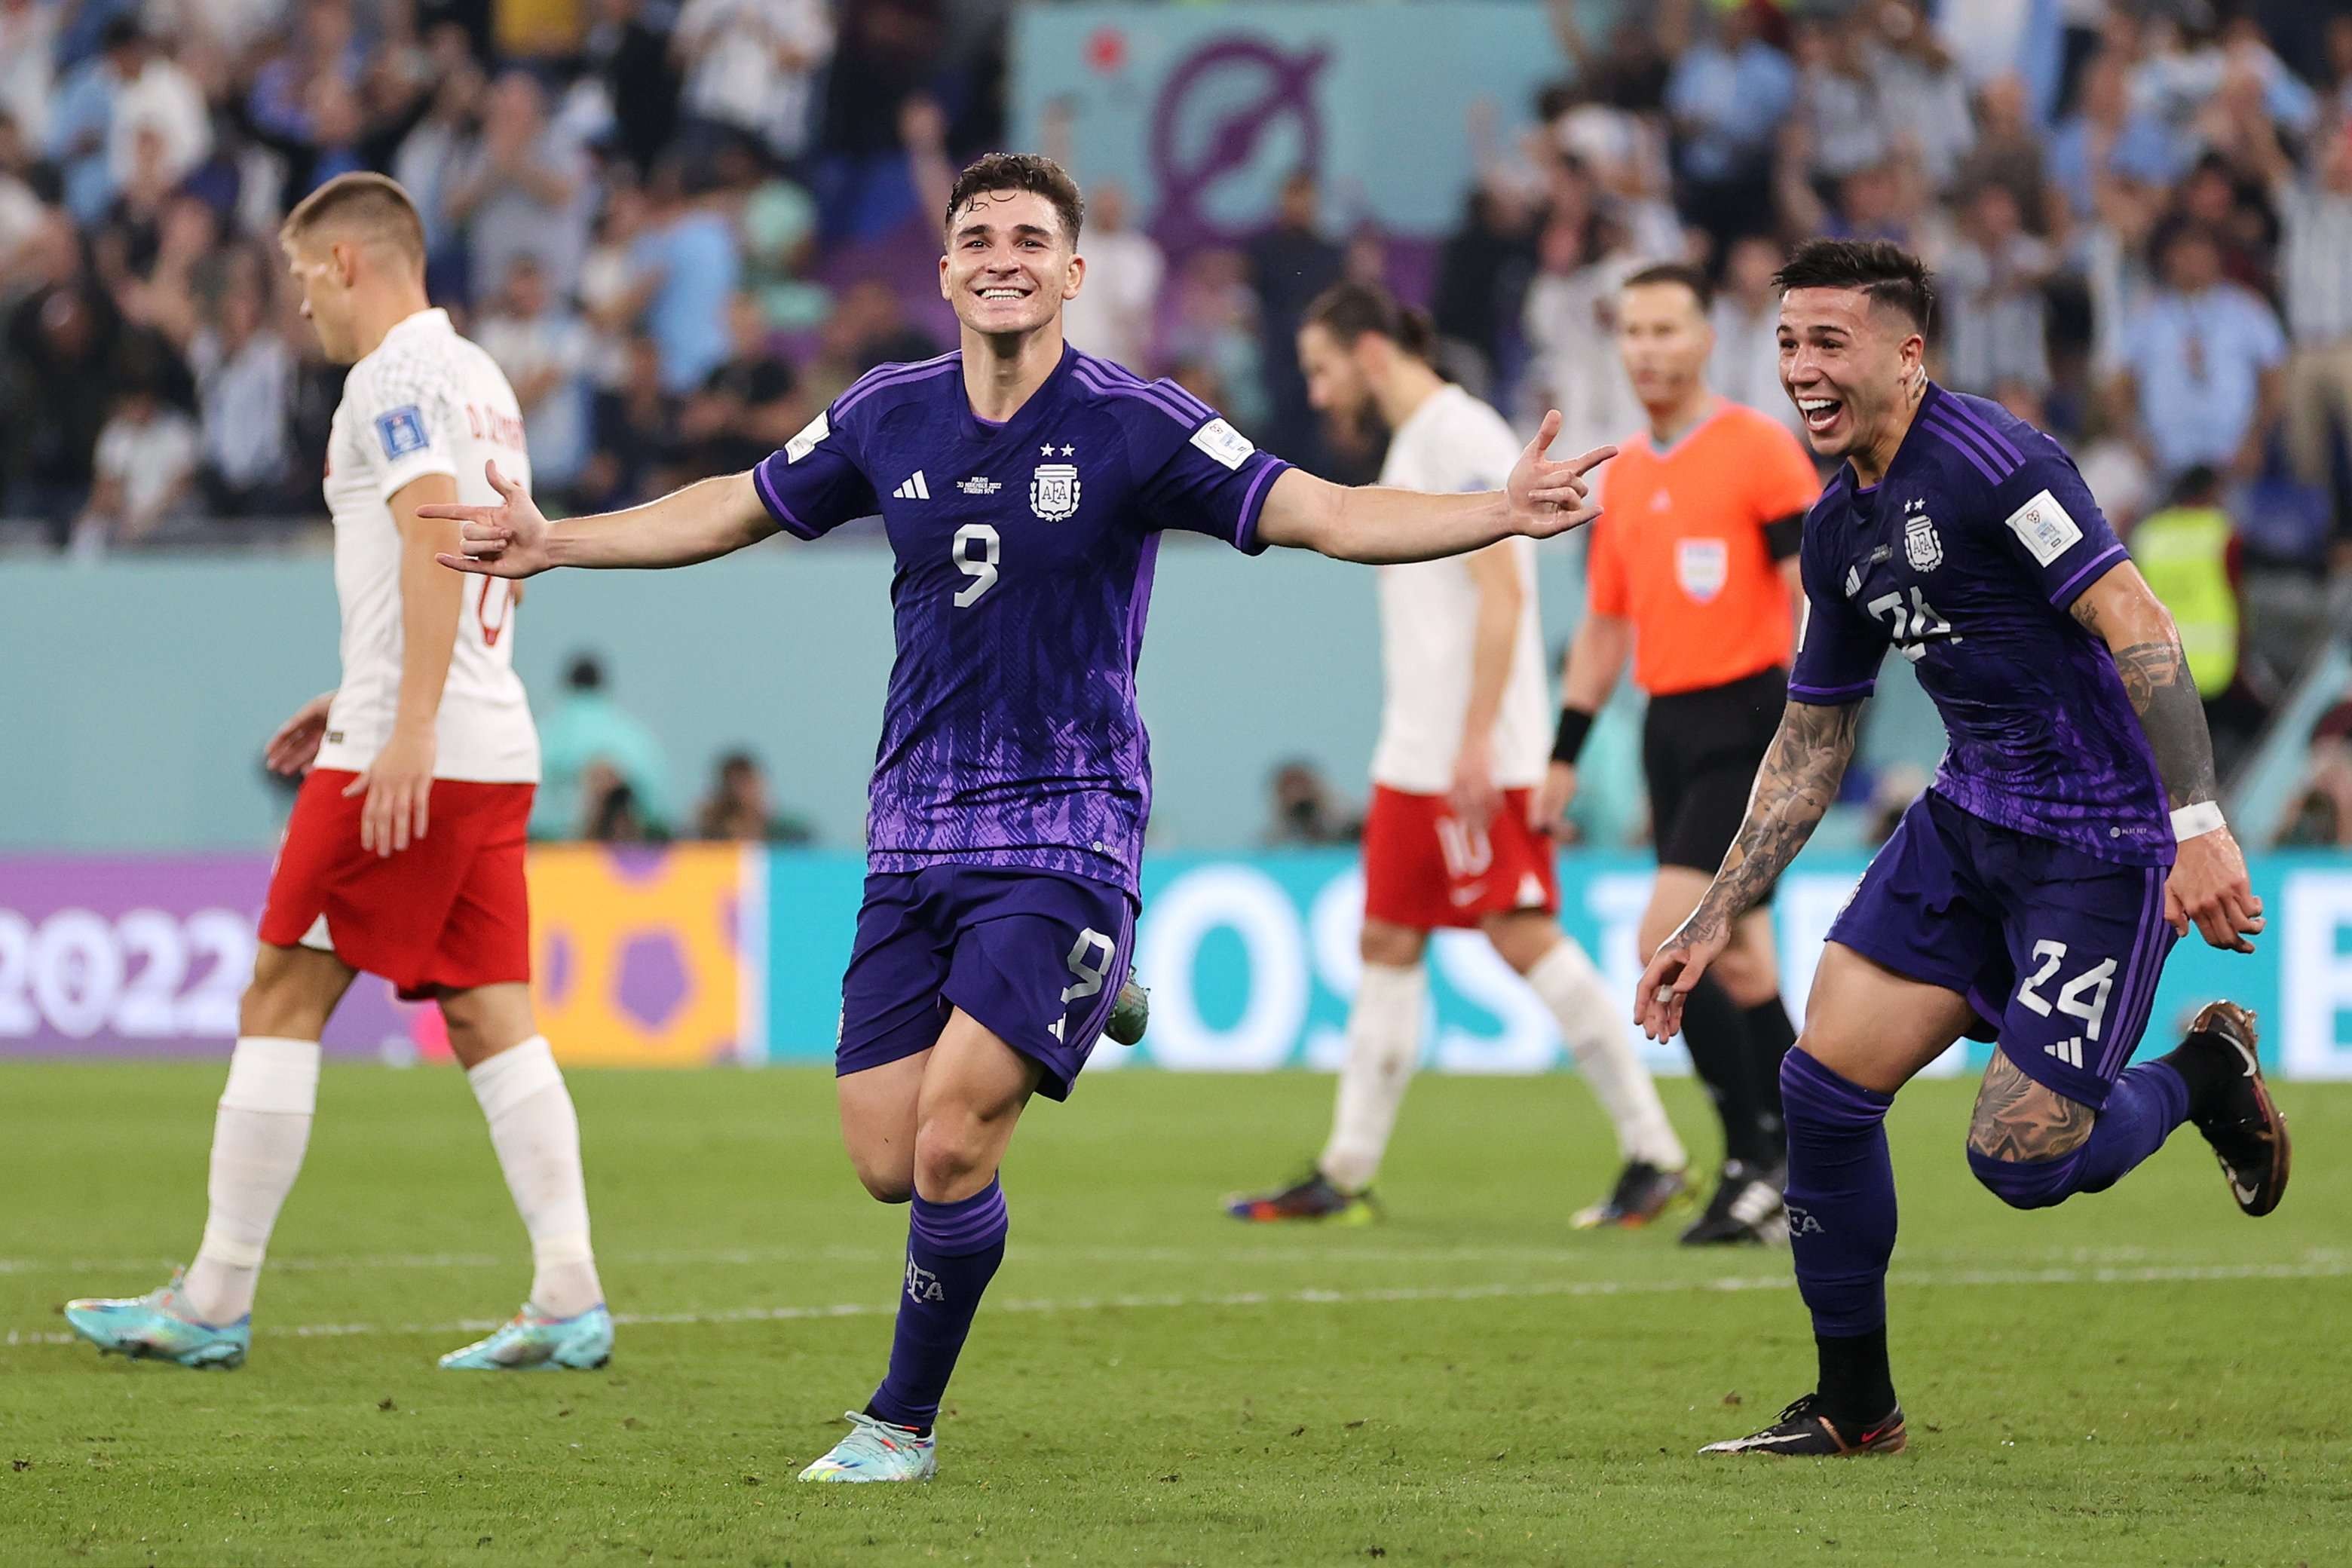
685, 267
738, 807
1483, 274
61, 343
1995, 317
28, 30
426, 157
1289, 264
2106, 138
1918, 75
245, 389
749, 66
546, 351
2009, 148
2201, 377
629, 51
1113, 314
145, 467
1571, 307
2321, 814
1850, 117
1746, 365
636, 450
778, 224
102, 105
2315, 279
519, 187
586, 737
869, 327
2188, 553
1216, 332
336, 134
1728, 94
21, 213
748, 408
612, 813
1305, 811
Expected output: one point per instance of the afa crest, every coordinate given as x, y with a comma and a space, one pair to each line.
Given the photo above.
1920, 545
1053, 490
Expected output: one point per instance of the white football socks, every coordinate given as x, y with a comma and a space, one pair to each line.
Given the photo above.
1383, 1046
537, 1135
259, 1132
1587, 1014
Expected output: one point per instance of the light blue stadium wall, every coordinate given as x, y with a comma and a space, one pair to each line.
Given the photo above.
134, 696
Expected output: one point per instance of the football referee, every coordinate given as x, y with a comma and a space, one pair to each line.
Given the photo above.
1692, 568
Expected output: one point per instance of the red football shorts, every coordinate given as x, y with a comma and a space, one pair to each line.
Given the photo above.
449, 913
1423, 868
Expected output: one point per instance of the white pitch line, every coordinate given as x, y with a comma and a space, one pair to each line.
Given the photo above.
2328, 1268
1046, 1252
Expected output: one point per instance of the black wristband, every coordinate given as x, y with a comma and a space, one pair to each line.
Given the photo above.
1575, 728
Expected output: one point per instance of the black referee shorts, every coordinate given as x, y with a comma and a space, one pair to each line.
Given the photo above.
1700, 750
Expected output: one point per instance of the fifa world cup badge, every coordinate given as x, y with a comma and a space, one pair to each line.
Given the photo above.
1053, 490
1920, 545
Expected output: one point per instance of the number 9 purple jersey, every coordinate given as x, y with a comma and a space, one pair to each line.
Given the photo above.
1024, 550
1966, 558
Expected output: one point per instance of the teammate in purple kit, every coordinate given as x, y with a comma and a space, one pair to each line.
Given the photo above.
2032, 895
1023, 487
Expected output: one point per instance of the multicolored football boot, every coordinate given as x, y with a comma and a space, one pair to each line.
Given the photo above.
530, 1342
1804, 1431
159, 1326
1131, 1014
875, 1450
1314, 1197
1642, 1193
2246, 1131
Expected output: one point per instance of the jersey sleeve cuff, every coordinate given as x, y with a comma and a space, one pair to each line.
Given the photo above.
775, 503
2090, 571
1246, 539
399, 476
1830, 695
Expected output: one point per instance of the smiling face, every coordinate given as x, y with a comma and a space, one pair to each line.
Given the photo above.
1009, 263
1850, 364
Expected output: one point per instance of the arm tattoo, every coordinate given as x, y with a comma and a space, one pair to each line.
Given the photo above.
1796, 784
2155, 677
2020, 1121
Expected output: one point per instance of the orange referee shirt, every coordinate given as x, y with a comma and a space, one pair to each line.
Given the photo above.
1679, 549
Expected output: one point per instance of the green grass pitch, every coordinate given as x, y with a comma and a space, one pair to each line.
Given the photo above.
2142, 1376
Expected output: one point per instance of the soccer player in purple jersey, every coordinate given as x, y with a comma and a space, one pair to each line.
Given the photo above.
2030, 896
1025, 487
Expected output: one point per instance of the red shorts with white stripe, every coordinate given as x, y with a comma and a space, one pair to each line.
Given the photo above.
448, 913
1424, 867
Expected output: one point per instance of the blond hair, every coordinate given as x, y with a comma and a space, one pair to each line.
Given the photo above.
371, 206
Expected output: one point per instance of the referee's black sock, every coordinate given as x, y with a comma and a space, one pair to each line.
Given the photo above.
1716, 1034
1769, 1036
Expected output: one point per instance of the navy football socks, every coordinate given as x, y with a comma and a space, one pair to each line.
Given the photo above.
1842, 1229
952, 1252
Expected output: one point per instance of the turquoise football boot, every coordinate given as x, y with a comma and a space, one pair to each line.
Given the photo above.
877, 1451
1130, 1013
530, 1342
158, 1326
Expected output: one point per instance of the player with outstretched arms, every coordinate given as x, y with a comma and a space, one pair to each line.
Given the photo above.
1023, 487
1452, 838
2030, 896
405, 853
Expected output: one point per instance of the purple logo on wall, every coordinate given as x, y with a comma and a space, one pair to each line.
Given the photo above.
147, 956
1224, 116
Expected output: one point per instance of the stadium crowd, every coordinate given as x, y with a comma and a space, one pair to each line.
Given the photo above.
659, 216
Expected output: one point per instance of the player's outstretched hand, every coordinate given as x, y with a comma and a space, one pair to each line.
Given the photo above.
1548, 498
399, 787
295, 747
1552, 801
1680, 963
508, 540
2209, 889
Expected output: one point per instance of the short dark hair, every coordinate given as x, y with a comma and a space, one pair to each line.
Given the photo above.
1347, 310
1688, 274
1019, 172
1881, 268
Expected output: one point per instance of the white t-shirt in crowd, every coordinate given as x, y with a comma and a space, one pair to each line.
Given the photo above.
426, 401
1112, 316
1428, 615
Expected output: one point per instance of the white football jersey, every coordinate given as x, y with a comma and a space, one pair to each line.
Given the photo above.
1428, 615
426, 401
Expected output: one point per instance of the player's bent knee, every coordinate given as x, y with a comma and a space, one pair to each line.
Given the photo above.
885, 1183
955, 1149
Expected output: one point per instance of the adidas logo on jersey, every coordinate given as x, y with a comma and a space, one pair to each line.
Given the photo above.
914, 489
2067, 1051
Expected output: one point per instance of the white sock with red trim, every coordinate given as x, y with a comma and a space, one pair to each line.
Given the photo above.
1587, 1015
260, 1134
537, 1135
1383, 1046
